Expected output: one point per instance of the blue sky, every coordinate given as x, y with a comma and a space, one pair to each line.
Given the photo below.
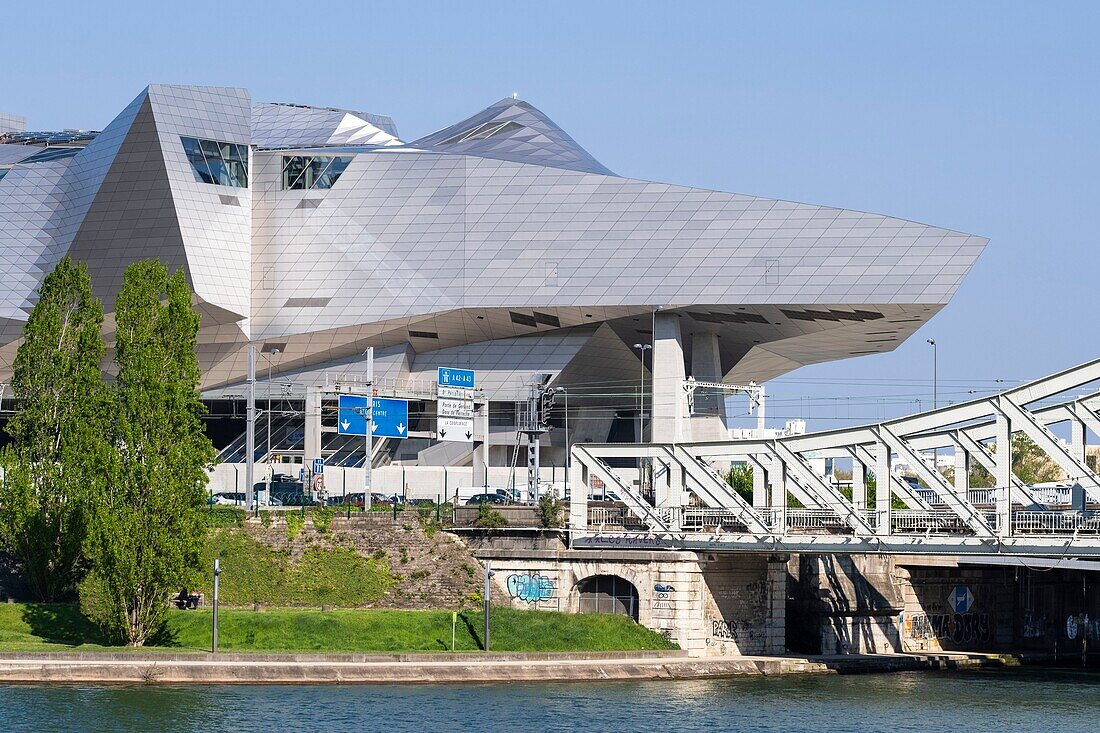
980, 117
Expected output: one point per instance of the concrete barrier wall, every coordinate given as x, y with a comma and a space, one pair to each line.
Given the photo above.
414, 482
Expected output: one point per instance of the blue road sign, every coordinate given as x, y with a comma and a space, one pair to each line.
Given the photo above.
352, 415
448, 377
318, 466
390, 418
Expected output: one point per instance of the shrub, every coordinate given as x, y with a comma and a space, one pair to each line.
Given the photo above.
489, 518
550, 510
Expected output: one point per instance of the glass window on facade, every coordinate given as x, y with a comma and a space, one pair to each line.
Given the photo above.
3, 172
219, 163
304, 172
485, 131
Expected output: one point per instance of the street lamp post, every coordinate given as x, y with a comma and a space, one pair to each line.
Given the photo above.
642, 348
935, 385
935, 400
270, 470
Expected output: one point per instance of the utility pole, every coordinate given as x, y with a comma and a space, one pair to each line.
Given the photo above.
250, 430
270, 469
369, 447
935, 381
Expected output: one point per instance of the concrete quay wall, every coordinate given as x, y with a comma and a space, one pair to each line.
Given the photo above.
146, 668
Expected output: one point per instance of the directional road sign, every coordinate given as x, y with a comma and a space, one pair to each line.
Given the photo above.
450, 377
352, 415
456, 408
390, 418
318, 466
455, 429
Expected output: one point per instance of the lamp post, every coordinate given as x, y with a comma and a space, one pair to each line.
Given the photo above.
642, 348
270, 471
935, 385
935, 400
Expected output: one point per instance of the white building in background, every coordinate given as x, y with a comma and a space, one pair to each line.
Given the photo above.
497, 244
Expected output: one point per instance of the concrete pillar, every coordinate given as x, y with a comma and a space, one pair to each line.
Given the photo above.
708, 421
883, 492
775, 628
859, 485
312, 443
669, 423
1003, 458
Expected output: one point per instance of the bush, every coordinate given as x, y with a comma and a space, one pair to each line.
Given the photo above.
489, 518
551, 510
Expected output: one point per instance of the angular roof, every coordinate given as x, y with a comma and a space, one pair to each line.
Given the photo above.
513, 130
277, 125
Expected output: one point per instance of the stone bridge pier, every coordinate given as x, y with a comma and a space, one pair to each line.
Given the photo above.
709, 604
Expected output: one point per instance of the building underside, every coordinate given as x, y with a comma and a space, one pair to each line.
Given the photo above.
496, 244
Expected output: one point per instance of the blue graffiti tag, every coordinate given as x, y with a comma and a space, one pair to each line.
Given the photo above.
531, 588
664, 588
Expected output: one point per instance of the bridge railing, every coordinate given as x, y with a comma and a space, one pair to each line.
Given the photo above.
1056, 522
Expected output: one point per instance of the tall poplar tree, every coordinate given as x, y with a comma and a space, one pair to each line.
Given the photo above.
145, 537
57, 432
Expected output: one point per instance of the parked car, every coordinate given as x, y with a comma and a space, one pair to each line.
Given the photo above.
227, 498
476, 499
421, 502
296, 499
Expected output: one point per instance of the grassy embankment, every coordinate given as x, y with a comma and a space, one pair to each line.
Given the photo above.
60, 627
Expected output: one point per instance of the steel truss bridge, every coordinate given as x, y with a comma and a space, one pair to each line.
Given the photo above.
687, 504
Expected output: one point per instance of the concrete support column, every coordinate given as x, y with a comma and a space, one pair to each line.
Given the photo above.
709, 419
669, 423
1003, 458
883, 493
859, 485
775, 628
759, 486
312, 443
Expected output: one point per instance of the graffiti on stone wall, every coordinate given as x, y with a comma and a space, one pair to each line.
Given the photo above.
530, 587
662, 597
731, 630
959, 628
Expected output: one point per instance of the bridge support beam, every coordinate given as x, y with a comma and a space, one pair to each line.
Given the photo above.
1004, 474
962, 470
883, 479
859, 484
578, 495
759, 485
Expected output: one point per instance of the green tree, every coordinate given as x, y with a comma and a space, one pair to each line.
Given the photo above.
146, 534
57, 432
1029, 464
739, 478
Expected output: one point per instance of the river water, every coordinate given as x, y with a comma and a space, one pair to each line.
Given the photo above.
1049, 701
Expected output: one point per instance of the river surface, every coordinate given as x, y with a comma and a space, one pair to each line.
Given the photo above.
1048, 701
